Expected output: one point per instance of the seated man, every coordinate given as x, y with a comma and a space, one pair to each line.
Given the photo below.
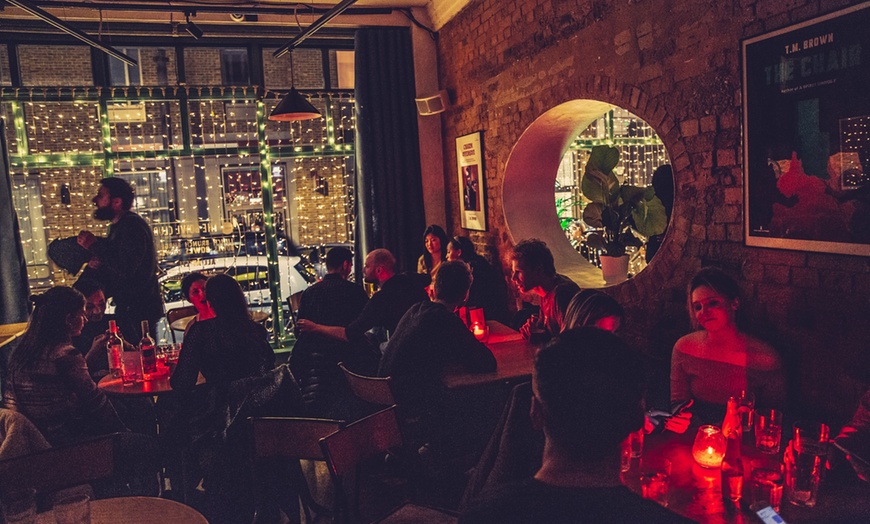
92, 341
428, 339
396, 293
335, 302
587, 399
533, 270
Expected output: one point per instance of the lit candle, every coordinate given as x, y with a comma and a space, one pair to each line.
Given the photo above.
709, 447
478, 330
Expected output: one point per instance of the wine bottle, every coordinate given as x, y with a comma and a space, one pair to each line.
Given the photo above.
113, 349
147, 351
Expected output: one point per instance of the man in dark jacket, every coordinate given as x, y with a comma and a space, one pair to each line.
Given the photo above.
335, 302
125, 260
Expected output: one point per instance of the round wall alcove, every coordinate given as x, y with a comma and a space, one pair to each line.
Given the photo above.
538, 163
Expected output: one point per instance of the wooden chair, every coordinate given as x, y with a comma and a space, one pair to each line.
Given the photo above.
375, 390
295, 439
371, 436
176, 313
59, 468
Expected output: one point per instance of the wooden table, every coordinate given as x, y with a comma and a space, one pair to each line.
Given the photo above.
181, 323
514, 356
9, 332
147, 388
136, 510
696, 492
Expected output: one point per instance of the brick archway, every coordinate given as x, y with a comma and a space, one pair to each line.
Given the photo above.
530, 172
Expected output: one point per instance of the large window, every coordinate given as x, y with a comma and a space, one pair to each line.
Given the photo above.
27, 199
124, 74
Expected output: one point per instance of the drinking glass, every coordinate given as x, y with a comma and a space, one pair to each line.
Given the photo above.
75, 509
655, 479
745, 407
625, 455
636, 443
768, 431
766, 488
131, 368
805, 462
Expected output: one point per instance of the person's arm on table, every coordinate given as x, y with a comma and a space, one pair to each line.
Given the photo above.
92, 401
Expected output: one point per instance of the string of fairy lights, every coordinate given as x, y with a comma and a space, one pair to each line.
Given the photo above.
180, 180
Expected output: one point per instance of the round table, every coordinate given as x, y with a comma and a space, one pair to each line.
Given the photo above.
147, 388
181, 323
136, 510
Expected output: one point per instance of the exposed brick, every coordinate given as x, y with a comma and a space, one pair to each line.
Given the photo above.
805, 277
689, 128
776, 274
708, 124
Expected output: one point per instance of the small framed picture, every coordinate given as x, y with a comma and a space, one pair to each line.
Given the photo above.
472, 187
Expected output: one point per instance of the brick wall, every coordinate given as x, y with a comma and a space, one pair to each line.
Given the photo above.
202, 66
65, 65
307, 69
5, 75
677, 66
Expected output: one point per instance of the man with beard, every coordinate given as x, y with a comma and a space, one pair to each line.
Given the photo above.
125, 260
94, 337
534, 271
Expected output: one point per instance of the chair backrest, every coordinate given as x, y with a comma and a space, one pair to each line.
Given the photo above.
367, 437
179, 312
376, 390
59, 468
295, 438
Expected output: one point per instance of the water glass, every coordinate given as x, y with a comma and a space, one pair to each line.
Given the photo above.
803, 473
655, 480
19, 507
625, 455
766, 488
635, 440
131, 368
75, 509
746, 407
768, 431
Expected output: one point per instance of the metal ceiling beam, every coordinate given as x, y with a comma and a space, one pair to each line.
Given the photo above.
72, 31
310, 30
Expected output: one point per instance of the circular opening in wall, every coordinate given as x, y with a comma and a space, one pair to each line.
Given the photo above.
602, 161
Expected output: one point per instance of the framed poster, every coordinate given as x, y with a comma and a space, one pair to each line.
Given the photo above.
469, 166
806, 121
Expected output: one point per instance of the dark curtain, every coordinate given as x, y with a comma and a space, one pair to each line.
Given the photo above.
388, 180
13, 271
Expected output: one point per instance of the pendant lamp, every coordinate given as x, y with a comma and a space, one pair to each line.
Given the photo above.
294, 107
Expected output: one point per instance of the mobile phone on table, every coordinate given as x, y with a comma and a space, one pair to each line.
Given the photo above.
769, 516
680, 406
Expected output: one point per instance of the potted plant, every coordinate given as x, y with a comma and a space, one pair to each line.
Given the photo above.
623, 214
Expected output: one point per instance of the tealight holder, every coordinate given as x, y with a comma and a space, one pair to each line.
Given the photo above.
480, 331
709, 447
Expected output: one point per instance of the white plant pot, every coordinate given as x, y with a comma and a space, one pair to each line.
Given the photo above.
614, 269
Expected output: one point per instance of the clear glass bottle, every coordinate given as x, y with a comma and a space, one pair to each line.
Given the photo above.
732, 462
114, 347
147, 351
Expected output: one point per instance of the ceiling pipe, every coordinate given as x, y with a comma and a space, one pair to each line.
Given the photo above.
59, 24
310, 30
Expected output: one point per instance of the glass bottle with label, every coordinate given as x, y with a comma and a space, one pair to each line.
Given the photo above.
114, 347
732, 463
148, 351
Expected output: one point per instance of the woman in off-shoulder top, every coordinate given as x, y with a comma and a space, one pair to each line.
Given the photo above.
719, 360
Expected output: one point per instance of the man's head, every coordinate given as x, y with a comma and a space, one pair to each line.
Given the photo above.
532, 265
451, 282
339, 260
114, 197
95, 298
587, 393
380, 266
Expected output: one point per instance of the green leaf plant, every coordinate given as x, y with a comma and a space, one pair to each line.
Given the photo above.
622, 213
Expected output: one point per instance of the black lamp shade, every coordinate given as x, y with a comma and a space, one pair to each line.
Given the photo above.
294, 107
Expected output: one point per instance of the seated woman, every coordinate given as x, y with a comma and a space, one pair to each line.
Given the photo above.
193, 290
488, 288
434, 250
47, 378
227, 347
719, 359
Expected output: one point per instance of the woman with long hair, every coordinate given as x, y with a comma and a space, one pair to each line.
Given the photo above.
227, 347
47, 378
719, 359
193, 290
434, 249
